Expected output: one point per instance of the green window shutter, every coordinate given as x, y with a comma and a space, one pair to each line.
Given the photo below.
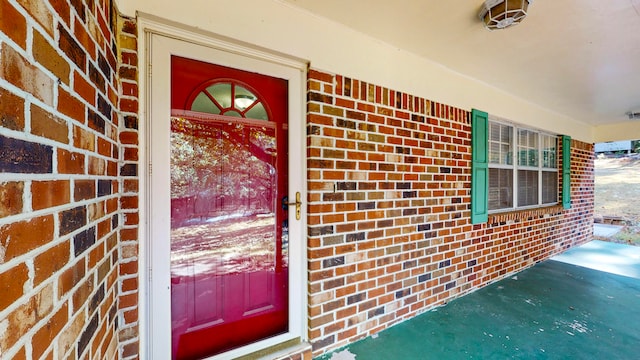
566, 172
479, 167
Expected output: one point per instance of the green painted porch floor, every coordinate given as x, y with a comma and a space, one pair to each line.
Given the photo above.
554, 310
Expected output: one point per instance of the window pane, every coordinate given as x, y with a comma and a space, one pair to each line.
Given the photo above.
527, 148
527, 187
202, 103
500, 189
494, 152
222, 93
257, 112
243, 98
549, 145
549, 187
500, 141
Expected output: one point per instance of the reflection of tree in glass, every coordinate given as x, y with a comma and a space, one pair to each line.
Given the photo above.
221, 168
229, 246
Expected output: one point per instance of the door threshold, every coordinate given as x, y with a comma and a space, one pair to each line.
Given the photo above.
292, 349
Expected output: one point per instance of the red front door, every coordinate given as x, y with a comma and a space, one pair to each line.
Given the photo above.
229, 232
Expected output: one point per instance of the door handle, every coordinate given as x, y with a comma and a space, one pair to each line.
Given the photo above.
298, 204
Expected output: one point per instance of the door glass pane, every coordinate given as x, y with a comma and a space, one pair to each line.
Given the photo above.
243, 98
228, 267
257, 112
203, 103
233, 113
222, 93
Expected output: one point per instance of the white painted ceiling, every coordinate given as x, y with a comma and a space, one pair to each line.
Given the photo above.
580, 58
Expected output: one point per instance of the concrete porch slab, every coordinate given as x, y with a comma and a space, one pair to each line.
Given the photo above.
606, 230
555, 310
605, 256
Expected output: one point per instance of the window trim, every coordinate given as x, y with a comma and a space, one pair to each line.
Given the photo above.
514, 167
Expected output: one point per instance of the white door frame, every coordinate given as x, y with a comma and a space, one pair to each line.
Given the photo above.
157, 41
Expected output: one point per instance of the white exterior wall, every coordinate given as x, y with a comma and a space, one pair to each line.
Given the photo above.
332, 47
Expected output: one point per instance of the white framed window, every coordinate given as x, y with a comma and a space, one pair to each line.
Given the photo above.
523, 167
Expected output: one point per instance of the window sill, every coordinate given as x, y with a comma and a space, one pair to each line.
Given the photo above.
509, 217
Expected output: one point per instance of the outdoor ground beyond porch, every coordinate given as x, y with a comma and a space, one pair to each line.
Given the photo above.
584, 304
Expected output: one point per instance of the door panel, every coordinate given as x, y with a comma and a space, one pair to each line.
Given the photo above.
229, 263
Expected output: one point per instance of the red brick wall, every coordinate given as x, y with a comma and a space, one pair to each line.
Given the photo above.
389, 220
128, 302
67, 167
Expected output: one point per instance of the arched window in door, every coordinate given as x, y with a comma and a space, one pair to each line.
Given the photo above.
229, 98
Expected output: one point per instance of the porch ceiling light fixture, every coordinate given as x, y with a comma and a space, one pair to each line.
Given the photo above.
501, 14
633, 115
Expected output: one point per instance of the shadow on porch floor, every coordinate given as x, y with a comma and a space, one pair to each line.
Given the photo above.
559, 309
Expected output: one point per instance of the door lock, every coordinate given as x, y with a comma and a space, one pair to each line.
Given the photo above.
298, 204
